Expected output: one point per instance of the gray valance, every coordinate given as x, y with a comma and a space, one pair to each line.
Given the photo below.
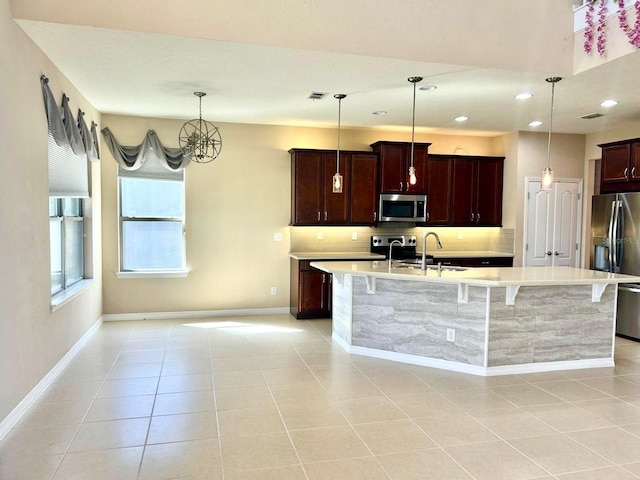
133, 157
65, 131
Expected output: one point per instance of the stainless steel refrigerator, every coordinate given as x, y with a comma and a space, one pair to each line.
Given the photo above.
615, 220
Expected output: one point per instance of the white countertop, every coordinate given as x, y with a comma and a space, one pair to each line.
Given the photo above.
490, 277
336, 256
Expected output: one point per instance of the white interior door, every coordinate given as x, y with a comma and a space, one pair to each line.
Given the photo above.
552, 224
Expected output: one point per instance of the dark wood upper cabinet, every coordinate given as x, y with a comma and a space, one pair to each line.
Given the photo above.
395, 160
439, 190
477, 190
364, 196
313, 201
620, 169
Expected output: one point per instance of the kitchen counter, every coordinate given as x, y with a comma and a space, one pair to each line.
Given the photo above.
335, 256
483, 321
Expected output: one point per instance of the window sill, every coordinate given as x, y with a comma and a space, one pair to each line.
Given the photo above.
62, 298
154, 274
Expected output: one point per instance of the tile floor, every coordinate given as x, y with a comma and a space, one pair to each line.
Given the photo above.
271, 398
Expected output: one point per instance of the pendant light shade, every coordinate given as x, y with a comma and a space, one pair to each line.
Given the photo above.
199, 139
412, 169
337, 178
547, 173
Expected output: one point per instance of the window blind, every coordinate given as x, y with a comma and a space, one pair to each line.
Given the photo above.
68, 172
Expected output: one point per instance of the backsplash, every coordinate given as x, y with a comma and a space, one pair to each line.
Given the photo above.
339, 239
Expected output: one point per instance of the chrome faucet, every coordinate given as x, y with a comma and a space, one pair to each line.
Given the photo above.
423, 265
394, 242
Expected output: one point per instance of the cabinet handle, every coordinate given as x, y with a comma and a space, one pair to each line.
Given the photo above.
324, 278
401, 186
633, 172
478, 217
427, 216
626, 171
318, 215
473, 217
330, 278
325, 216
485, 263
375, 216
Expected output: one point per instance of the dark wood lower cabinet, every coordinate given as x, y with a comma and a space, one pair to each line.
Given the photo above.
310, 295
475, 261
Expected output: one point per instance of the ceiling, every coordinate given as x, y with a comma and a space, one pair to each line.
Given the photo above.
142, 73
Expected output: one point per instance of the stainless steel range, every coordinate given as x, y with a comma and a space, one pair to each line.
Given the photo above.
404, 246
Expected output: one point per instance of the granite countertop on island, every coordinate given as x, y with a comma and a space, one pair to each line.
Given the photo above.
468, 254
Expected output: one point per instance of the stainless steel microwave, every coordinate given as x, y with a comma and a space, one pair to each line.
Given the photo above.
402, 208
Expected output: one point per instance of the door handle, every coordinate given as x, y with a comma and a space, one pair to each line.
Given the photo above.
629, 289
558, 253
548, 253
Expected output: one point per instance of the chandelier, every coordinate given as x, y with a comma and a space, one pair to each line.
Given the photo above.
199, 139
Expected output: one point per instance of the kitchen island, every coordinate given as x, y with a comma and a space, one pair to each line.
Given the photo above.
484, 321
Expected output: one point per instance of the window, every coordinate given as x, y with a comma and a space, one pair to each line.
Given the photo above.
151, 219
66, 238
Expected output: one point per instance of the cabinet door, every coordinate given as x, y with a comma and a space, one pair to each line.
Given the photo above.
307, 188
615, 163
489, 192
439, 191
335, 209
364, 180
392, 171
420, 160
312, 295
464, 174
634, 164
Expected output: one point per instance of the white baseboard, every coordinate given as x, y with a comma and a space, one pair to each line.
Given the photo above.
473, 369
119, 317
10, 420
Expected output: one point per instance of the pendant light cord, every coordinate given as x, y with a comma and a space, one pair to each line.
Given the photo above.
338, 153
553, 87
413, 122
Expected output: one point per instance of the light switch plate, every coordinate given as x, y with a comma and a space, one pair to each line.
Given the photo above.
277, 237
354, 235
320, 236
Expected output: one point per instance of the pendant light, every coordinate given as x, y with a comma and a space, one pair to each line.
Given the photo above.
337, 178
412, 169
199, 139
547, 173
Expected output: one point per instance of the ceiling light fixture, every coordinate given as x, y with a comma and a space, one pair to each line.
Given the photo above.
523, 96
337, 178
609, 103
428, 88
461, 118
379, 112
535, 123
547, 173
412, 170
199, 139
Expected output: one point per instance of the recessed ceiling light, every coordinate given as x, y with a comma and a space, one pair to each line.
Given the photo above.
524, 96
379, 112
535, 123
461, 118
609, 103
428, 88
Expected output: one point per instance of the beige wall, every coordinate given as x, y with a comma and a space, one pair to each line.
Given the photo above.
234, 206
567, 161
32, 339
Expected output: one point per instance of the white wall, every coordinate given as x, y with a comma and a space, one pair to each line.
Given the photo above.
32, 339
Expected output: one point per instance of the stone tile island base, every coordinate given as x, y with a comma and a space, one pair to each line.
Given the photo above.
553, 327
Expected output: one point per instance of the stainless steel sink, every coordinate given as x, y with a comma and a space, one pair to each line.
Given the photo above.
416, 266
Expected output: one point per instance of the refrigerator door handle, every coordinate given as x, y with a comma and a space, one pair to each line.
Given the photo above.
610, 235
617, 255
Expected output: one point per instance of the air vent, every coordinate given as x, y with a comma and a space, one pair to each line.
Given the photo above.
317, 95
590, 116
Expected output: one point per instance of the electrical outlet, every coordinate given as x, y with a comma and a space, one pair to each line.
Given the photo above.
277, 237
354, 235
320, 236
460, 235
274, 290
451, 335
